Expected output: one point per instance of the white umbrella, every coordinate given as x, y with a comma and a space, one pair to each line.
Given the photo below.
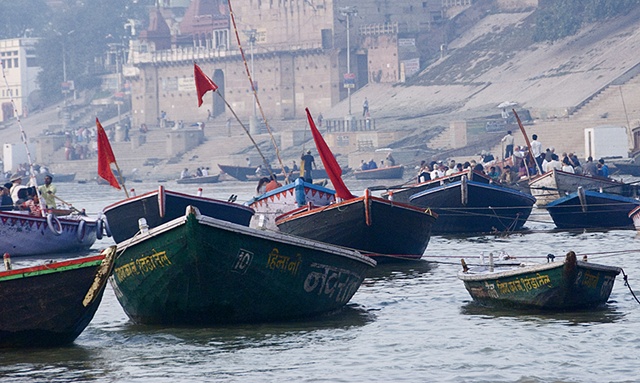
507, 104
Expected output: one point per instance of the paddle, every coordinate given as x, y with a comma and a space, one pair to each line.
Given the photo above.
67, 203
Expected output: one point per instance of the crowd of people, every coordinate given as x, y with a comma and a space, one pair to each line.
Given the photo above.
16, 196
517, 163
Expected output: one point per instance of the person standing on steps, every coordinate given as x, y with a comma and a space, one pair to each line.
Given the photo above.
365, 107
508, 140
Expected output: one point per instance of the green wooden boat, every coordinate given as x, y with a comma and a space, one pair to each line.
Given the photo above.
197, 270
566, 285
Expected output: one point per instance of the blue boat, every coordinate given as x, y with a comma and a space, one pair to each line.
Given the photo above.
465, 207
586, 209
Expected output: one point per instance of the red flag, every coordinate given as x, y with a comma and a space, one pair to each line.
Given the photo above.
203, 83
329, 161
105, 157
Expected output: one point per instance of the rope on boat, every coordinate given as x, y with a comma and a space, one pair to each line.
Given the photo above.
626, 283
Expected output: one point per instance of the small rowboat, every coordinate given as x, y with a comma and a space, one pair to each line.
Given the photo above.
566, 285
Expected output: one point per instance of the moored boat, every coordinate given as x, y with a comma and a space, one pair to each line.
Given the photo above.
390, 172
465, 206
197, 270
199, 180
556, 184
402, 193
385, 229
24, 234
566, 285
51, 304
586, 209
287, 198
161, 206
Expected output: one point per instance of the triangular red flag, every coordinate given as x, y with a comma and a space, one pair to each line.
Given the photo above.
105, 157
329, 161
203, 83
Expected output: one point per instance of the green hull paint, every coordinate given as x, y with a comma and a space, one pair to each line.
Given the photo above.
555, 286
197, 270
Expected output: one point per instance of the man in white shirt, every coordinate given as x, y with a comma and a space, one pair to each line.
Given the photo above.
508, 140
536, 150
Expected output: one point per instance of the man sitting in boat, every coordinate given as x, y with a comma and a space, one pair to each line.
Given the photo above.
32, 204
372, 164
16, 187
364, 165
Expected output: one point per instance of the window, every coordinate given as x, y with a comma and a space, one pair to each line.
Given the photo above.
15, 63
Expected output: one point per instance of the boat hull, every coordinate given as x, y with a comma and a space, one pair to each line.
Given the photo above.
26, 234
391, 172
403, 194
568, 285
200, 271
465, 207
161, 206
368, 224
592, 211
199, 180
630, 168
555, 184
51, 305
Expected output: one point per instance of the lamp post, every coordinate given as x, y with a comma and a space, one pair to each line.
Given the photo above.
348, 12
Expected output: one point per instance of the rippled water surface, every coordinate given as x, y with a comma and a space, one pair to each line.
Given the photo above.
410, 322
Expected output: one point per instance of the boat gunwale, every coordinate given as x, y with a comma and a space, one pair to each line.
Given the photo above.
263, 234
473, 275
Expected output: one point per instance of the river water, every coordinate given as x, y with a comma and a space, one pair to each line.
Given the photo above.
412, 322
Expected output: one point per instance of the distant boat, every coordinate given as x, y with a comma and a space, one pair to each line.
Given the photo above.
476, 206
248, 173
562, 286
199, 180
238, 172
556, 184
24, 234
160, 206
631, 168
52, 303
56, 178
285, 199
391, 172
197, 270
586, 209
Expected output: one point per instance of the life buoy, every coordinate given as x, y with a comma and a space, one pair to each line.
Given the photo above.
82, 229
54, 224
107, 229
99, 228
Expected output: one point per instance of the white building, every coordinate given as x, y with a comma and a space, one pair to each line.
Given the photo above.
21, 68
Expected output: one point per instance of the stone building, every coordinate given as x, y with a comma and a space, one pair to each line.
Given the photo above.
297, 49
21, 68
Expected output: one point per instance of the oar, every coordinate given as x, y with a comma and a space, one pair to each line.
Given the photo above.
66, 203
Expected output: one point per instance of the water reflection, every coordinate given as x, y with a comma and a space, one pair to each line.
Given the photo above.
249, 335
398, 270
608, 313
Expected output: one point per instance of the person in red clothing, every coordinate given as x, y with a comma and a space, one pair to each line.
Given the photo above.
273, 184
